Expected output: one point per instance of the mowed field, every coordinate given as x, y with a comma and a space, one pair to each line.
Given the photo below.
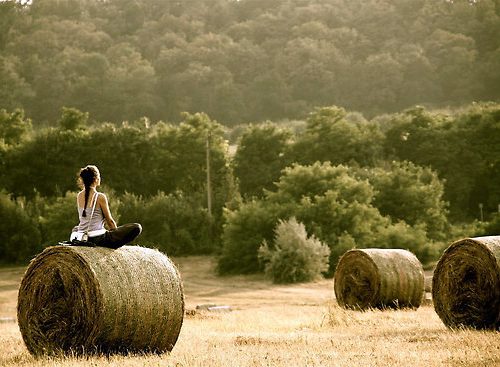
274, 325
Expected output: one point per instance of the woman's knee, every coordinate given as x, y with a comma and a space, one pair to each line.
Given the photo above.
133, 230
137, 228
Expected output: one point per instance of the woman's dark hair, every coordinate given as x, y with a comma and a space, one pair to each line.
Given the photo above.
88, 175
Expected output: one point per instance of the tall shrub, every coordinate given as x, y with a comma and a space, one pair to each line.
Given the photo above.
174, 223
414, 194
57, 217
260, 158
19, 235
335, 206
294, 257
244, 231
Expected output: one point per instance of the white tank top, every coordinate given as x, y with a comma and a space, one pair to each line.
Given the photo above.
96, 222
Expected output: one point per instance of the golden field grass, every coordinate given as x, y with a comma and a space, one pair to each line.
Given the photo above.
271, 325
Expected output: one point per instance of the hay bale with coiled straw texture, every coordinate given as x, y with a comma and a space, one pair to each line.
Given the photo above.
466, 284
78, 300
379, 278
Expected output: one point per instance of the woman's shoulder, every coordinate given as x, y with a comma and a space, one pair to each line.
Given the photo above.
101, 196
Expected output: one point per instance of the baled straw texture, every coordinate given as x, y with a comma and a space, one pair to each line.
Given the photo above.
379, 278
466, 284
76, 300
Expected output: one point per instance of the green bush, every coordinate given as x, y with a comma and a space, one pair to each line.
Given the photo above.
294, 257
491, 228
414, 194
19, 236
411, 238
175, 223
57, 217
335, 206
244, 231
260, 158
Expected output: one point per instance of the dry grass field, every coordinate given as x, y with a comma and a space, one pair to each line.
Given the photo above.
270, 325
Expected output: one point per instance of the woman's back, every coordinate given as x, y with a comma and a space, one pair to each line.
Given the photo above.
92, 221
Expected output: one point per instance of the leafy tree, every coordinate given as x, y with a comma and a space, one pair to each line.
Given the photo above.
418, 74
73, 119
89, 72
490, 75
15, 127
271, 97
65, 9
244, 231
8, 15
299, 182
311, 68
454, 54
19, 235
137, 157
125, 156
330, 137
412, 194
129, 89
430, 139
176, 223
57, 217
381, 79
448, 144
181, 159
334, 205
50, 86
15, 91
45, 163
260, 157
411, 238
244, 61
481, 123
490, 228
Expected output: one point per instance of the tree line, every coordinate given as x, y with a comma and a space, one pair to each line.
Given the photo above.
245, 60
413, 179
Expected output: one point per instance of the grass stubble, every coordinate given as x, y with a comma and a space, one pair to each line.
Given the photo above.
297, 325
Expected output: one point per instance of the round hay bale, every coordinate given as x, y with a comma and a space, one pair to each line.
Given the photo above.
379, 278
466, 284
79, 300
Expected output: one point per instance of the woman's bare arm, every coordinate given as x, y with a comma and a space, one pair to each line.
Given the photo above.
103, 202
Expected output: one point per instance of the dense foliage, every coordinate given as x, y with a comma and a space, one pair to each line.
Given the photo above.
244, 60
330, 135
19, 234
137, 158
461, 146
409, 193
347, 147
260, 158
393, 181
140, 161
336, 205
176, 223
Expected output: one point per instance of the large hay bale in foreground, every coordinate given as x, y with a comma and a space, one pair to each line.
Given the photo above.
466, 284
98, 300
379, 278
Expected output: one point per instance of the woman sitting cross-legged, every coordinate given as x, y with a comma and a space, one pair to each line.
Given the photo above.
93, 212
